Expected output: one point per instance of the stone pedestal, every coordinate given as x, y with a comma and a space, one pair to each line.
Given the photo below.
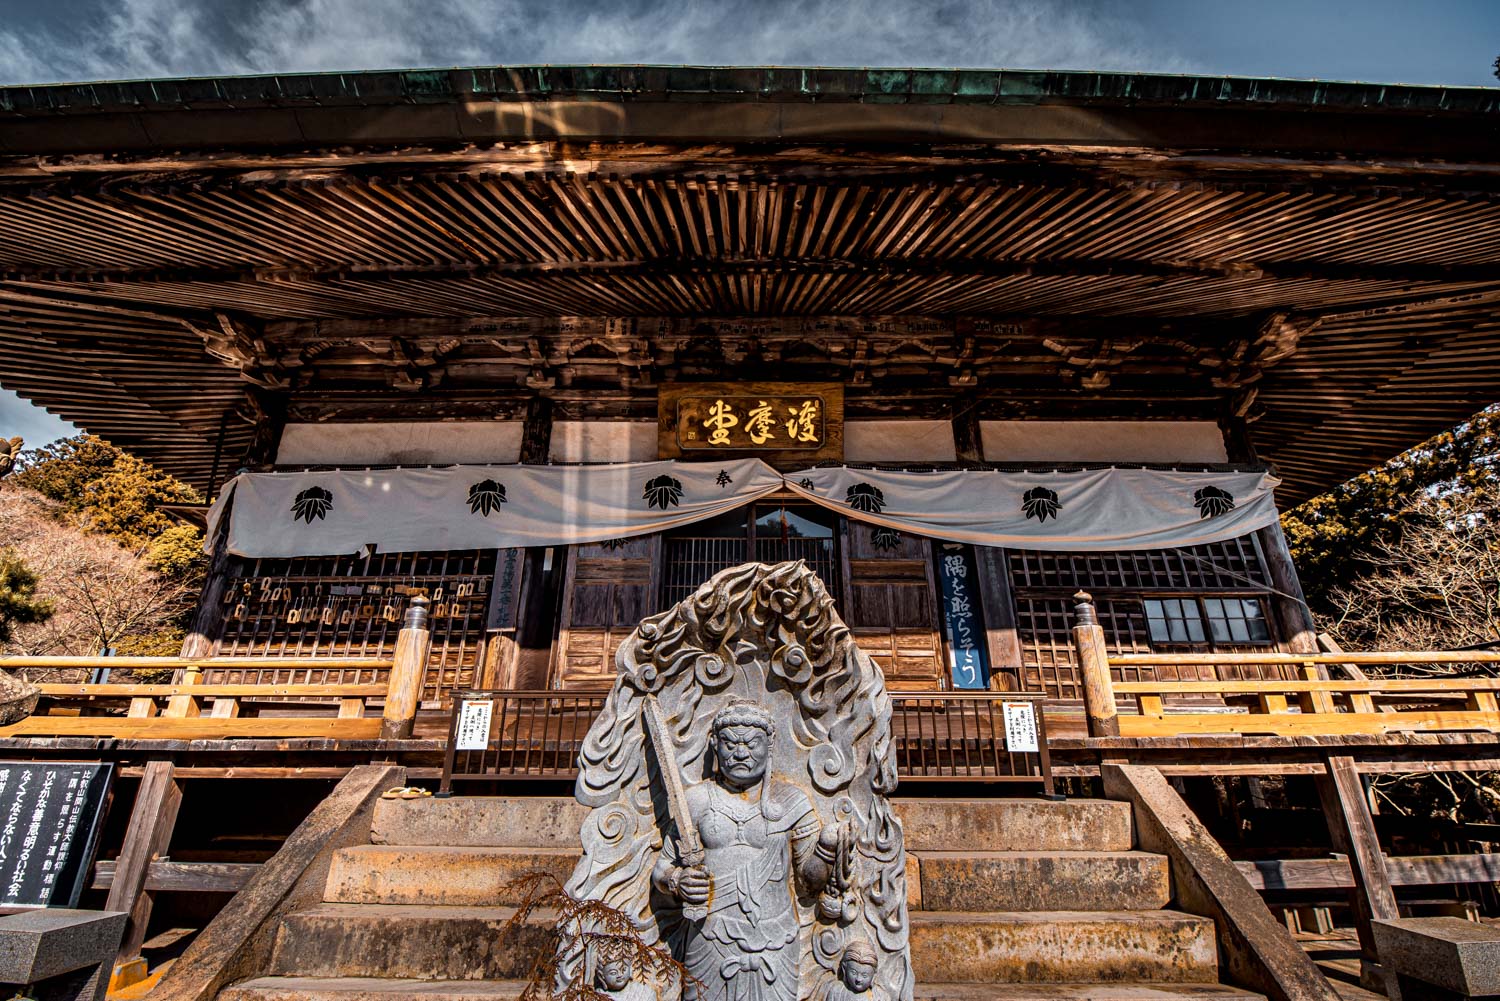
61, 955
1440, 958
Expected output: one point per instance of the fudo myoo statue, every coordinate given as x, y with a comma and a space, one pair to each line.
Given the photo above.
762, 843
738, 777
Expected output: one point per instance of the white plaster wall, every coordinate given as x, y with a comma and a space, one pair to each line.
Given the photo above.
405, 443
1102, 441
898, 441
603, 441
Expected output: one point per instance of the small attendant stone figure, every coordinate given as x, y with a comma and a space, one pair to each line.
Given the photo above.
615, 976
763, 847
856, 974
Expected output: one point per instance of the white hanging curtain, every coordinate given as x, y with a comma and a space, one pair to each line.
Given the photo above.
478, 507
498, 507
1083, 510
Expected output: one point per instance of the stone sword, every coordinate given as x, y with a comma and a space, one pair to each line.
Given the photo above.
689, 845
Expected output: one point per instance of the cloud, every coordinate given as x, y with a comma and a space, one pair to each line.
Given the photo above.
115, 39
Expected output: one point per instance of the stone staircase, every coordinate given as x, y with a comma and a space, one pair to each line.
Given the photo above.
1052, 903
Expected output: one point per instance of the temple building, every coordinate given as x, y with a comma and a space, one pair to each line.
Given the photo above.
549, 347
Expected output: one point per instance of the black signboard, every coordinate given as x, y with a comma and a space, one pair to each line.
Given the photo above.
959, 584
49, 828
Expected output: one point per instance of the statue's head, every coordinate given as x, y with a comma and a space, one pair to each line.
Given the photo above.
742, 734
613, 972
857, 968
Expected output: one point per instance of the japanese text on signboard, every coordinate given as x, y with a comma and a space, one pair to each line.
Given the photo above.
48, 828
775, 423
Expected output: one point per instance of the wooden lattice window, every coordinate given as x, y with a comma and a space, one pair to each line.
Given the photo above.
352, 606
1206, 598
761, 533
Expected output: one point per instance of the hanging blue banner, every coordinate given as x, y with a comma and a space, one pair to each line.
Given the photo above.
961, 619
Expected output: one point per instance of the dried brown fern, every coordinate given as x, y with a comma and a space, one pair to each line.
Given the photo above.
576, 929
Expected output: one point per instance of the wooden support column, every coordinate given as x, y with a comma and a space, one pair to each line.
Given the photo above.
148, 835
530, 648
202, 637
999, 618
1093, 669
408, 672
269, 412
1352, 830
1297, 627
966, 439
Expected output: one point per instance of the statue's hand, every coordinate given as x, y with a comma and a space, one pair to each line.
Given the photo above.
693, 886
829, 839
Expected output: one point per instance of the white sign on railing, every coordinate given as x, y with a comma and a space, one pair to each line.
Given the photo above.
1020, 727
473, 731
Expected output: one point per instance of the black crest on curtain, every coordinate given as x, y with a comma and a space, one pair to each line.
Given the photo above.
314, 502
1212, 501
865, 497
486, 496
1040, 503
663, 492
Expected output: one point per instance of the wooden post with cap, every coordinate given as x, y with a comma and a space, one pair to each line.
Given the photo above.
408, 672
1093, 669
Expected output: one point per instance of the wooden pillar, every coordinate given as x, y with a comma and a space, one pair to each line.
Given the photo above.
999, 618
148, 836
529, 651
966, 439
1297, 627
1093, 670
202, 637
269, 410
1352, 830
408, 672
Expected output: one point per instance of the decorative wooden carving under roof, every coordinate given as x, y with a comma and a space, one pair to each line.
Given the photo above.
1320, 259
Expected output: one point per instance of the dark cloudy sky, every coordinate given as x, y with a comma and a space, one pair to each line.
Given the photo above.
1406, 41
1411, 41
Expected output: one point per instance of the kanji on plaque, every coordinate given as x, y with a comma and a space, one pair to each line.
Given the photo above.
804, 423
750, 423
720, 419
760, 424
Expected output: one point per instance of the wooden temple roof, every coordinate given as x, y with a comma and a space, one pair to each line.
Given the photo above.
178, 258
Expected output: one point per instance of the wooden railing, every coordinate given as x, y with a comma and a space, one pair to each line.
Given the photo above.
944, 736
1309, 703
190, 709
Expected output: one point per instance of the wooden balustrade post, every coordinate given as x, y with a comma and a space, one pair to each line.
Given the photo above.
1093, 669
1352, 831
148, 835
408, 672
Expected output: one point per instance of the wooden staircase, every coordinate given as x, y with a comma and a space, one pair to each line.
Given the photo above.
1054, 903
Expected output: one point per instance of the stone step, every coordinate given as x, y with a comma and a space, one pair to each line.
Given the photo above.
996, 825
1016, 825
1063, 947
1042, 881
427, 942
445, 876
416, 941
942, 881
372, 989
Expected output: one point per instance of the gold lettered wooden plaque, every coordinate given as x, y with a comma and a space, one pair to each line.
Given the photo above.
777, 421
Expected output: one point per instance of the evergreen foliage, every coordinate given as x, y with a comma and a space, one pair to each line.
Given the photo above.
103, 489
1341, 537
19, 603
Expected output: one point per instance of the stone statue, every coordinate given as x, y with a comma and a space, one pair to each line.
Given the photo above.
738, 778
615, 975
8, 453
856, 974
